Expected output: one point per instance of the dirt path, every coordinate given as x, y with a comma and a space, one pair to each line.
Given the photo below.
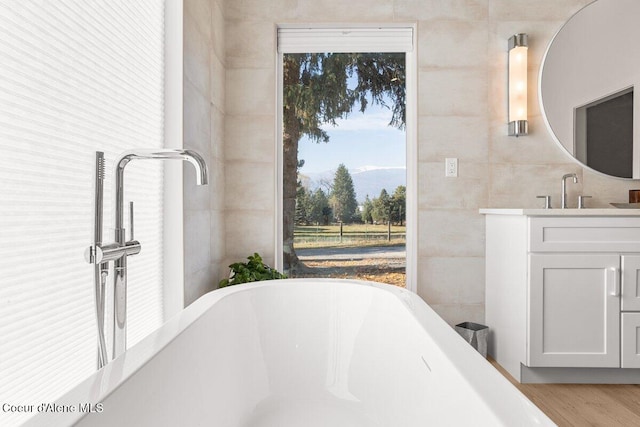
352, 253
378, 264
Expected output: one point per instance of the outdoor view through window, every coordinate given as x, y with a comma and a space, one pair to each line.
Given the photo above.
344, 166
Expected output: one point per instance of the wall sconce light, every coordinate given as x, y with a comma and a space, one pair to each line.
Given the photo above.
518, 124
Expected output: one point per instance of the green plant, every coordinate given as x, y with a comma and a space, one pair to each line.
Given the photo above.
253, 271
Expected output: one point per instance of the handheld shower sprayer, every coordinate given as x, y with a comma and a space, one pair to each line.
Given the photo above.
100, 269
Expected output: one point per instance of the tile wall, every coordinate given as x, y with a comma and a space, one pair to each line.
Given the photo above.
204, 123
462, 113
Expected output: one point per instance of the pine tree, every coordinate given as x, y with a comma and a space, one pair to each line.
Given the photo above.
367, 209
343, 196
382, 207
318, 206
399, 204
302, 206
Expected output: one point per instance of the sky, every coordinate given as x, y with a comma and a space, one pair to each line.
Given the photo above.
363, 139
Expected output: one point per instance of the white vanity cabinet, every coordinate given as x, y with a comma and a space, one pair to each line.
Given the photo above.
563, 294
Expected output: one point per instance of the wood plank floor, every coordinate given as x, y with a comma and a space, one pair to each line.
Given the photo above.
606, 405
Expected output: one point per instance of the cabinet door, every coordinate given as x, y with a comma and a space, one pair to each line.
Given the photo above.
630, 283
574, 310
631, 340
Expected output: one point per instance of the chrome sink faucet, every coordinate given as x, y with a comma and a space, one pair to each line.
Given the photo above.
564, 187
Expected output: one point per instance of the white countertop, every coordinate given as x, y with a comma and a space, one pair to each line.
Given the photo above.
562, 212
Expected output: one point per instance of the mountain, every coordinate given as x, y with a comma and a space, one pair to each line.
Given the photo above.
367, 180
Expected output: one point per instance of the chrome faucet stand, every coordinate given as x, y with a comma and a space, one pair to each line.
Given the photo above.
117, 252
563, 196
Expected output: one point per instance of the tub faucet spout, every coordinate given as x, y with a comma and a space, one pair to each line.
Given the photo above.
564, 187
120, 264
202, 172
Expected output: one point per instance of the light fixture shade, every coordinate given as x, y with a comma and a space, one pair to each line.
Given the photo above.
518, 85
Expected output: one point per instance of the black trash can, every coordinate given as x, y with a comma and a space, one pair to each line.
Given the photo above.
475, 334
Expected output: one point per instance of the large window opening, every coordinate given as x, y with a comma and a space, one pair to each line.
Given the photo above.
348, 129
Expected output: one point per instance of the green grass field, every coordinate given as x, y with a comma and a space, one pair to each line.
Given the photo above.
352, 235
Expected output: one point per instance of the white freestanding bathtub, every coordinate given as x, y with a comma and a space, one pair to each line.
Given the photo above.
300, 353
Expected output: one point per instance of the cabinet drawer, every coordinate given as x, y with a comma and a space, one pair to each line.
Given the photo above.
599, 234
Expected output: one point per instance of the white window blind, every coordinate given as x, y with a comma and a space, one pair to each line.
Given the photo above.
75, 77
345, 40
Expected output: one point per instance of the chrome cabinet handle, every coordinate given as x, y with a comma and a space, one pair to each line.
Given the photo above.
613, 271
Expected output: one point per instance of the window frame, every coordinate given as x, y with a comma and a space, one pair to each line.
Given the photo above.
312, 45
173, 233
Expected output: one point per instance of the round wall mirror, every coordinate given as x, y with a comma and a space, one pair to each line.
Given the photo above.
586, 86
